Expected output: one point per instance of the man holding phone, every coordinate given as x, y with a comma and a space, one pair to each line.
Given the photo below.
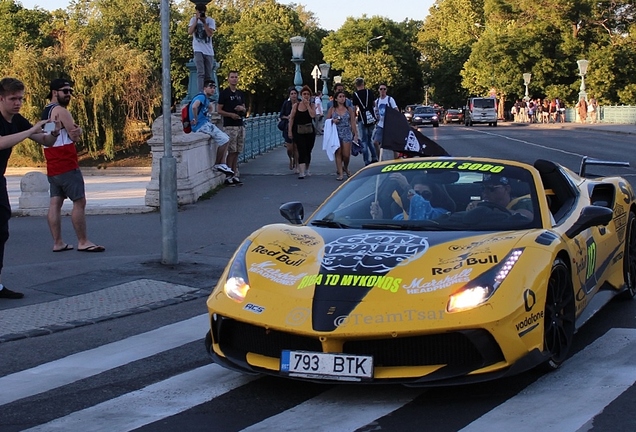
201, 29
62, 170
14, 129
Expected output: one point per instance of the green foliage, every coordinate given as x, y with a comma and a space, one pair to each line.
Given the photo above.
393, 59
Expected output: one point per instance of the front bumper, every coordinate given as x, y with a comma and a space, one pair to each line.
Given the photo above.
422, 360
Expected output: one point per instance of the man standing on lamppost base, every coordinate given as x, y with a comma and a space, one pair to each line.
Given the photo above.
201, 29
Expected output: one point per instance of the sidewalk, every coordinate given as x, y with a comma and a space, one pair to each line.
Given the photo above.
70, 289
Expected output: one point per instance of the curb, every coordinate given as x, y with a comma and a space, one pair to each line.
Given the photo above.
87, 171
90, 211
133, 311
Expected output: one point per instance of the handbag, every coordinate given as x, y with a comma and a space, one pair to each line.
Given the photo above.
304, 129
370, 118
282, 125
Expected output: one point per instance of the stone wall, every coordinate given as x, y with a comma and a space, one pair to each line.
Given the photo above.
195, 157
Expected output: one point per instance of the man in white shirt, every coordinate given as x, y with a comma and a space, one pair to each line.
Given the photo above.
381, 104
201, 29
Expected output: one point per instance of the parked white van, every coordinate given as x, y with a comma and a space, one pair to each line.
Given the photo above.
481, 110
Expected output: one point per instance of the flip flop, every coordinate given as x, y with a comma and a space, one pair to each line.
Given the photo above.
93, 248
65, 248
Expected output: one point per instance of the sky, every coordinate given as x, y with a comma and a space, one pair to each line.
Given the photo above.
331, 13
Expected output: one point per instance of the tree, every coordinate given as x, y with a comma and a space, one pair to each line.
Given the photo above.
391, 60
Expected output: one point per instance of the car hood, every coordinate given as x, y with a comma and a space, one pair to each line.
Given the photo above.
334, 270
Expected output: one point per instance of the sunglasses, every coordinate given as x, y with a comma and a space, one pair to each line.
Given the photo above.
382, 88
491, 188
66, 91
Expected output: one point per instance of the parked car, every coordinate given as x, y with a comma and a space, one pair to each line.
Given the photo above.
454, 116
408, 112
425, 115
466, 296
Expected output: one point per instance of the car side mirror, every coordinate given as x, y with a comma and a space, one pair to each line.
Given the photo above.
293, 211
590, 216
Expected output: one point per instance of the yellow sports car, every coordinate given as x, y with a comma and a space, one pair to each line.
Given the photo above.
428, 271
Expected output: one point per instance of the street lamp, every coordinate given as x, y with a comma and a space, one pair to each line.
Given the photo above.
371, 40
583, 64
337, 79
324, 76
298, 46
526, 82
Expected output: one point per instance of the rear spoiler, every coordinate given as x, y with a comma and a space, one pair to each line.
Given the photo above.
587, 161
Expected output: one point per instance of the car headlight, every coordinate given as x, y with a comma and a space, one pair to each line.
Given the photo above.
479, 290
237, 283
434, 117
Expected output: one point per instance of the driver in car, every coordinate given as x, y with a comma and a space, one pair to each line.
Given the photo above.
496, 189
419, 197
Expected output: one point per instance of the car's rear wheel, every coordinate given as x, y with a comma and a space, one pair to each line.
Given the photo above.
559, 316
629, 260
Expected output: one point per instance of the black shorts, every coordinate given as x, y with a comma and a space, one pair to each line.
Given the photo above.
68, 185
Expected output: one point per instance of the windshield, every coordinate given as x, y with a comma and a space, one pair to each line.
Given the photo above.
483, 103
434, 194
424, 110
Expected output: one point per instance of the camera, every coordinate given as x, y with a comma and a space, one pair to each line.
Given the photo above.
201, 14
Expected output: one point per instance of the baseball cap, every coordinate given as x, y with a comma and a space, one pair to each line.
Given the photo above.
494, 179
57, 84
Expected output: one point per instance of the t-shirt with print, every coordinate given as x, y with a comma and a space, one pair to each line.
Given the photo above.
18, 124
202, 115
380, 107
230, 100
201, 42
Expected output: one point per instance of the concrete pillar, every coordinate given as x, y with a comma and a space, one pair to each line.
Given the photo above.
195, 157
34, 187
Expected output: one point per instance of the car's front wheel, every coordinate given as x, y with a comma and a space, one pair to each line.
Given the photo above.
629, 260
559, 315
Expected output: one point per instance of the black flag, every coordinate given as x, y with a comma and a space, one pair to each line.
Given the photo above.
399, 136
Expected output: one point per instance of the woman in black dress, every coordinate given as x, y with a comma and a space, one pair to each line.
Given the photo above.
301, 129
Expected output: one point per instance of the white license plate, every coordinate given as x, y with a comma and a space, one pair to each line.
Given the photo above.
342, 367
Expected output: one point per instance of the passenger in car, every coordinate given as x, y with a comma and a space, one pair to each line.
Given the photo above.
423, 202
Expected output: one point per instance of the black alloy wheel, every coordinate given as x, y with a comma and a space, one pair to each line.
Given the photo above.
629, 260
560, 315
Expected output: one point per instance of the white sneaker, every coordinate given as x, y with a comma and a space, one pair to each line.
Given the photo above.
224, 169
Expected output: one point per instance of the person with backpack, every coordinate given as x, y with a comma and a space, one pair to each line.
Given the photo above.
200, 123
381, 104
363, 100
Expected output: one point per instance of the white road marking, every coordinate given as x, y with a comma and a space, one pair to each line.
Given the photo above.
152, 403
92, 362
532, 144
570, 397
344, 408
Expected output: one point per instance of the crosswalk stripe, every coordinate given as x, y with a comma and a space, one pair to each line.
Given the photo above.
568, 398
344, 408
152, 403
92, 362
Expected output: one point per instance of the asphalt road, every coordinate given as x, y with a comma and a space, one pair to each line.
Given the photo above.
102, 393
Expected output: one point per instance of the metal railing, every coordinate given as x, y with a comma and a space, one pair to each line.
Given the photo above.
261, 135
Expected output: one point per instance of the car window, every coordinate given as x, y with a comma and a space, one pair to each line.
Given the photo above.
434, 194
